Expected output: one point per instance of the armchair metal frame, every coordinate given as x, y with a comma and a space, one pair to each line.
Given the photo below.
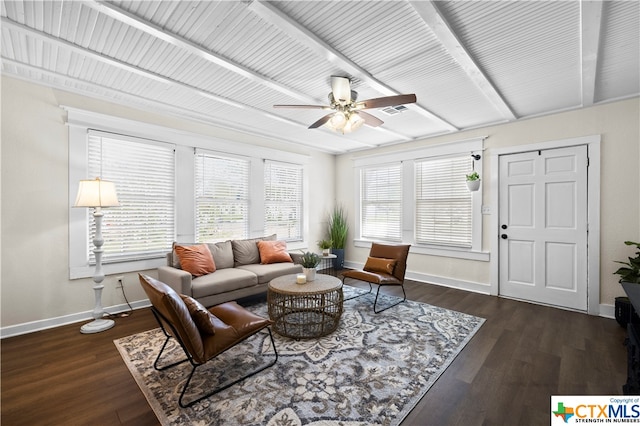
162, 320
230, 323
399, 253
375, 302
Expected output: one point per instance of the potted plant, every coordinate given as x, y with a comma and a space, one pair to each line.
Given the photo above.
337, 230
630, 276
325, 246
309, 261
473, 181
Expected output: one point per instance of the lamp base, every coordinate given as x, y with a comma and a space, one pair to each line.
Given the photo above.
96, 326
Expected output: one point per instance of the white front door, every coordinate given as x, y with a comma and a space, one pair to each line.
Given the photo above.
543, 226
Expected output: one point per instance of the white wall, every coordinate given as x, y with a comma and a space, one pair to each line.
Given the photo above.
619, 125
35, 288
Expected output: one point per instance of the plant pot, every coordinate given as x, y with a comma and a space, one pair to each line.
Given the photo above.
338, 262
624, 310
473, 185
326, 252
310, 273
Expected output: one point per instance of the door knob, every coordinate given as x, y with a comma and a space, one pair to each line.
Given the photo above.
504, 226
504, 236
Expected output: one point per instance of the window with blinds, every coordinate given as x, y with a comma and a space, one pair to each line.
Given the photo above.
443, 202
144, 174
283, 200
381, 203
222, 197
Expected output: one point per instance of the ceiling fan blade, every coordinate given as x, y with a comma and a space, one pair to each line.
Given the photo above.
341, 89
386, 101
370, 120
321, 121
303, 106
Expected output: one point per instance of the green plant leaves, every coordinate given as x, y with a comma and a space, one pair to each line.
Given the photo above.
630, 273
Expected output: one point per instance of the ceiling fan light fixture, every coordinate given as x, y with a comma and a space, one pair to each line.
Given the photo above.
354, 122
338, 121
343, 101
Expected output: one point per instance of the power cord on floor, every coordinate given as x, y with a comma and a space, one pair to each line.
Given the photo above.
121, 314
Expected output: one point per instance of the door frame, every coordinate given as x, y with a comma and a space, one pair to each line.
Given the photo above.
593, 211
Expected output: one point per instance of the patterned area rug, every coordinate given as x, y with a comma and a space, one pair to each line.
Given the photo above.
371, 371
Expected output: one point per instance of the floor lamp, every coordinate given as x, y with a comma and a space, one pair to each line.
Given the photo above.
97, 194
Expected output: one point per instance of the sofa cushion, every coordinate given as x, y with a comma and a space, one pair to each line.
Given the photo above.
379, 264
266, 273
245, 252
223, 280
273, 252
205, 320
196, 259
222, 253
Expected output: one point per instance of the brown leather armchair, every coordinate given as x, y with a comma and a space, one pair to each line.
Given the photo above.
203, 334
385, 266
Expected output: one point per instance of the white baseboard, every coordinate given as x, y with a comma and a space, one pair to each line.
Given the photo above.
30, 327
472, 286
605, 311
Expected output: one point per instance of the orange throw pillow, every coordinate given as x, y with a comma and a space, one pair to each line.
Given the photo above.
380, 264
273, 252
195, 259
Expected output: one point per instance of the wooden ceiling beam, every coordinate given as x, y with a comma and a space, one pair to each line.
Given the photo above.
159, 107
590, 28
443, 31
83, 52
136, 22
301, 34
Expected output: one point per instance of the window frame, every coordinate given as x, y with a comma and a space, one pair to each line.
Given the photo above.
186, 143
450, 160
408, 159
168, 151
361, 177
301, 201
224, 157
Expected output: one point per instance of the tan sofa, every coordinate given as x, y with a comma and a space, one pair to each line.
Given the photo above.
238, 272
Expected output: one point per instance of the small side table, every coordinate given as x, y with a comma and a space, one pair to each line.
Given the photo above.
327, 263
303, 311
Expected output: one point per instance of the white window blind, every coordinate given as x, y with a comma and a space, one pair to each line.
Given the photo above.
283, 200
222, 197
381, 203
144, 174
443, 202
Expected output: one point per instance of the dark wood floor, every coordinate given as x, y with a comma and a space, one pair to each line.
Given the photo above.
522, 355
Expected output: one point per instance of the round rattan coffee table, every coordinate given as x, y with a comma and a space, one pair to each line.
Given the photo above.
308, 310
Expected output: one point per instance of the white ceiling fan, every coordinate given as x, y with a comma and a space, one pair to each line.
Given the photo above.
348, 114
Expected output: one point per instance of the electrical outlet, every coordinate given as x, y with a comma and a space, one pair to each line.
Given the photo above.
120, 280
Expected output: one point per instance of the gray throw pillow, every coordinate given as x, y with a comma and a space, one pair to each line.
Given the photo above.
245, 252
222, 253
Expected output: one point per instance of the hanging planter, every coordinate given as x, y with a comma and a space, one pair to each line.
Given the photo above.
473, 181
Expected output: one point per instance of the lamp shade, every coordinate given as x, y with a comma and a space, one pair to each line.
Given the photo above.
96, 193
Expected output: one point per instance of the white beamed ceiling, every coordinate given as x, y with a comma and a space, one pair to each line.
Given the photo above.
470, 64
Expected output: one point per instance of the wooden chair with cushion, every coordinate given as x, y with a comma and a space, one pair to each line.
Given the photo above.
385, 266
202, 333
